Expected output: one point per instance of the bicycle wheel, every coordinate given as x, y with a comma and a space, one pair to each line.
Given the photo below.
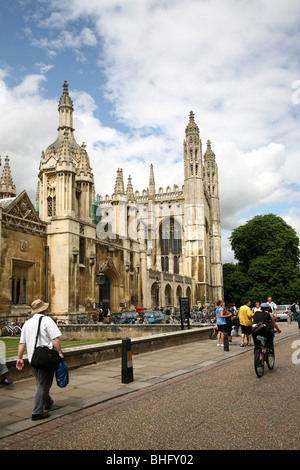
259, 362
213, 334
17, 331
270, 360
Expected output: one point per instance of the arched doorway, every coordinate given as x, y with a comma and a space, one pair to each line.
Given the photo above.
111, 287
105, 294
168, 295
178, 295
154, 295
189, 294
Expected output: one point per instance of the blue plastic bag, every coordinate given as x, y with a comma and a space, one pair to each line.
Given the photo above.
62, 374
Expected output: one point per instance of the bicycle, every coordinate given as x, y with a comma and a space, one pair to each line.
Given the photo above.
10, 330
262, 355
213, 334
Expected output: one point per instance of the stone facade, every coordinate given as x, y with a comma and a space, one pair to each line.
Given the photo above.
153, 247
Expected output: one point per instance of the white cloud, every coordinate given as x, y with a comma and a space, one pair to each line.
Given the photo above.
233, 63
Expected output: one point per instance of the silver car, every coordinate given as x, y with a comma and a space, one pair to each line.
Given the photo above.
282, 311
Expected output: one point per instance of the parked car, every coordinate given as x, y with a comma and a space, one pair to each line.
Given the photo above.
129, 317
155, 316
282, 311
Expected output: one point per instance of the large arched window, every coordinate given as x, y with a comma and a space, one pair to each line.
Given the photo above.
170, 243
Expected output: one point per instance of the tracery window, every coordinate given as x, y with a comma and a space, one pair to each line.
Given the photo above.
170, 244
51, 206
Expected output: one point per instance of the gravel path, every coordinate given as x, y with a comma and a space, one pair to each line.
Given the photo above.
222, 407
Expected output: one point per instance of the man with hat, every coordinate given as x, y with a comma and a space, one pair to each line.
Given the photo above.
48, 336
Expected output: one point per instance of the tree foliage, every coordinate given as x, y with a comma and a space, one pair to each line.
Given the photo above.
267, 251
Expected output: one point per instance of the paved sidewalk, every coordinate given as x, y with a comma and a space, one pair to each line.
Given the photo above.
101, 382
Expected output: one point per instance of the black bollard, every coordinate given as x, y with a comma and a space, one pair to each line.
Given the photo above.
226, 342
127, 369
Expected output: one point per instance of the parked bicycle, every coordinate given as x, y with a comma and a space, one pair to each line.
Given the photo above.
262, 355
83, 320
10, 329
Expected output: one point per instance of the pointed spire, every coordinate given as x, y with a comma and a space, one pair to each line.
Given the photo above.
129, 190
211, 171
65, 100
65, 108
209, 154
192, 128
119, 185
151, 181
65, 128
84, 163
7, 187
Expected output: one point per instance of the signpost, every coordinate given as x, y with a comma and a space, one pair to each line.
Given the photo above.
185, 310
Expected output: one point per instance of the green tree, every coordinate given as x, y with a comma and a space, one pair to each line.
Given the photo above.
235, 283
267, 251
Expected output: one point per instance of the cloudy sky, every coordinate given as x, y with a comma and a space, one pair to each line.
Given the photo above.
135, 69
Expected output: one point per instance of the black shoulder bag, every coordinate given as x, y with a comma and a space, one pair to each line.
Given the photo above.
259, 327
44, 357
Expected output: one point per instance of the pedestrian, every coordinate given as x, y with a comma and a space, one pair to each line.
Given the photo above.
3, 371
222, 316
107, 315
256, 308
230, 321
273, 307
265, 316
168, 312
245, 317
295, 311
48, 336
3, 367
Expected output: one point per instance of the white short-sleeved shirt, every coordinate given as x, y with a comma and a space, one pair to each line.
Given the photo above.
48, 331
273, 306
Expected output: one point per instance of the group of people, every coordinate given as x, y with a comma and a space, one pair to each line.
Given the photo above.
49, 336
247, 319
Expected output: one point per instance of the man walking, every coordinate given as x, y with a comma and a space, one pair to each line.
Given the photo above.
273, 307
48, 336
245, 317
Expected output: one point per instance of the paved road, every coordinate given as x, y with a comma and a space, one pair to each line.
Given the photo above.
224, 406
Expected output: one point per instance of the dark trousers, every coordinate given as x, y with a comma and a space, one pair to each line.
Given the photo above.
44, 379
268, 334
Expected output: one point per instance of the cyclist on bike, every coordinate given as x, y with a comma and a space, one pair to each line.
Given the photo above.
266, 317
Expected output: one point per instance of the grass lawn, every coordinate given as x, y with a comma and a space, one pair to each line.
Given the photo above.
11, 345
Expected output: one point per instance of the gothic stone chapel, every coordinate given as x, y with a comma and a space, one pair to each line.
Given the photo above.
151, 247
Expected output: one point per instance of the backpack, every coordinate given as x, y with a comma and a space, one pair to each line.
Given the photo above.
258, 328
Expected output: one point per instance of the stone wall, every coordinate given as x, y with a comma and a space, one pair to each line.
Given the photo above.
87, 355
114, 331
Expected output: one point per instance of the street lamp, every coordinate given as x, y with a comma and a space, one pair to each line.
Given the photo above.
100, 280
157, 285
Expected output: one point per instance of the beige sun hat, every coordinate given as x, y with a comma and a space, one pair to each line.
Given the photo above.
39, 306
